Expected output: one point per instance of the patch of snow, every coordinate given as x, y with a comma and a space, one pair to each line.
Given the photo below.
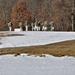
36, 38
17, 29
30, 65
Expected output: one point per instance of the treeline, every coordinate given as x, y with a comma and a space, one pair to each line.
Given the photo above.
60, 11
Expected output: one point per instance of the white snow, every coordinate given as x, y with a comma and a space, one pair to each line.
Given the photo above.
17, 29
36, 38
25, 65
30, 65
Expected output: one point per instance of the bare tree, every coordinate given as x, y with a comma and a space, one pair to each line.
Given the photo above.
48, 6
72, 15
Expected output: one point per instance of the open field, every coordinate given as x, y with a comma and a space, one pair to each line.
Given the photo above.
31, 47
58, 49
38, 43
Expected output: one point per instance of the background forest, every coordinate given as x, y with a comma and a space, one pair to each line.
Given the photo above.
60, 11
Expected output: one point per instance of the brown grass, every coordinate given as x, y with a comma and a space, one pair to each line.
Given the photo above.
5, 35
15, 35
58, 49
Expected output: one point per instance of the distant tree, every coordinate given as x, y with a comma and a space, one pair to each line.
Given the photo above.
62, 12
20, 13
5, 10
48, 6
73, 15
10, 26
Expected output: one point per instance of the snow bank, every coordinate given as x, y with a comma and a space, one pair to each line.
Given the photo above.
36, 38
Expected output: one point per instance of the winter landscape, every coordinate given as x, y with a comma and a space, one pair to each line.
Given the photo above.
35, 65
37, 37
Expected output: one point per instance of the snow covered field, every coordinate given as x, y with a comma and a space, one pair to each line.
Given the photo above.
36, 38
30, 65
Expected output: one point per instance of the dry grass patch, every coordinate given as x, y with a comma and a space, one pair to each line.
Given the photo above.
5, 35
58, 49
15, 35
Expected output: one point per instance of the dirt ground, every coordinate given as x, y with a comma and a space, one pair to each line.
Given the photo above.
66, 48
